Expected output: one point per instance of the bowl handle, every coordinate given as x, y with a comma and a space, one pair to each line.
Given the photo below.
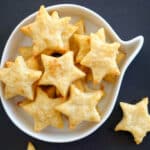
133, 47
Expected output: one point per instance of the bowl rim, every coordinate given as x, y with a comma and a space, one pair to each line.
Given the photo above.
108, 113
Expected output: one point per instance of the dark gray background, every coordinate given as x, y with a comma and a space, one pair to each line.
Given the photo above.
129, 18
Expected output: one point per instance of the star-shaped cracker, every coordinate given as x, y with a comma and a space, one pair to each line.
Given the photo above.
81, 107
81, 27
42, 109
60, 72
35, 63
19, 79
136, 119
26, 52
8, 64
102, 58
80, 31
49, 32
101, 34
30, 146
83, 43
120, 57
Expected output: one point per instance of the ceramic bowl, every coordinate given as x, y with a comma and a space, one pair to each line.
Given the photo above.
93, 22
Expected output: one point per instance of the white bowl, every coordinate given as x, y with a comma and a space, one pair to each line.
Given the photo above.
93, 21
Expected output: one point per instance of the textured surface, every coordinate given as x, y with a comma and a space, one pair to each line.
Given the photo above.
128, 18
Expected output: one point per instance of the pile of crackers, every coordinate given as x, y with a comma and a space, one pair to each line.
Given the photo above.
53, 74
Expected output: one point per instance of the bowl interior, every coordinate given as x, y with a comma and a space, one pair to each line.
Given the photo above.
25, 122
